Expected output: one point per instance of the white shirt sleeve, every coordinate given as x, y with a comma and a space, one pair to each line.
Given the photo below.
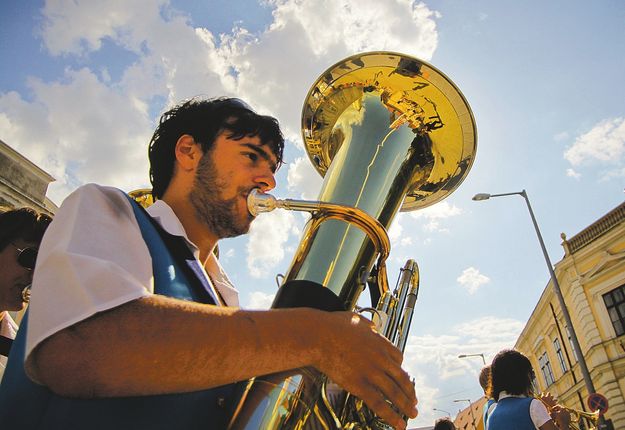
539, 413
92, 258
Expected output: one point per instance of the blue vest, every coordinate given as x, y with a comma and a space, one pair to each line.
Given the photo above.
25, 405
511, 413
485, 409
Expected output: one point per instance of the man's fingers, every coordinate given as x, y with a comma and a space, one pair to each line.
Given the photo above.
383, 409
402, 381
400, 393
395, 383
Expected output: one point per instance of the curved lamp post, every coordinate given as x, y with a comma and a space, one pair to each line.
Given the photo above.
473, 355
470, 409
556, 286
441, 410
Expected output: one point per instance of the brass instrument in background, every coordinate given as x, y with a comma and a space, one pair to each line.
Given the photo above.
388, 132
143, 196
577, 415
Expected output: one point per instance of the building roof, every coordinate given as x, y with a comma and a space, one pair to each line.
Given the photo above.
596, 229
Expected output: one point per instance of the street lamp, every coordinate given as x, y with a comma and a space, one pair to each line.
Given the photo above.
473, 355
556, 286
470, 409
441, 410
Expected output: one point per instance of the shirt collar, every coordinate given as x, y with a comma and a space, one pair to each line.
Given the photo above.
167, 219
505, 394
165, 216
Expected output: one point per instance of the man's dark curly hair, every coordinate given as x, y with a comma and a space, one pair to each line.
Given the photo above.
512, 372
204, 120
24, 223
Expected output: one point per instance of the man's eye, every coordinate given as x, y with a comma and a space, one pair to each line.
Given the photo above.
251, 155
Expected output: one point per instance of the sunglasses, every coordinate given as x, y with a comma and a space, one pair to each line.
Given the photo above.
26, 257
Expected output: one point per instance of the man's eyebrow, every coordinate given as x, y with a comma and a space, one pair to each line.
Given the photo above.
262, 153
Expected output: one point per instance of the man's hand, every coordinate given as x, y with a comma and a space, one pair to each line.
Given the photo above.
560, 416
367, 365
548, 399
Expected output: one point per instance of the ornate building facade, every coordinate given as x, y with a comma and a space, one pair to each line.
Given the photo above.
22, 183
592, 279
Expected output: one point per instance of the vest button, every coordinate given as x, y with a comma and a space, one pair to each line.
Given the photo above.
221, 402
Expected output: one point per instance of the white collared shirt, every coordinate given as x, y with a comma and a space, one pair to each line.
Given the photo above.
93, 258
8, 328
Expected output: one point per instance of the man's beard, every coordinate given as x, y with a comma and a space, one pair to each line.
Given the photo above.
218, 214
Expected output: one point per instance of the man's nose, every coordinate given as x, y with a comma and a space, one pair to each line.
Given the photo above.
266, 181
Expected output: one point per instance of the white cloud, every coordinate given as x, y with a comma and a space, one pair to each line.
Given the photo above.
604, 143
480, 331
474, 336
563, 135
397, 233
572, 173
433, 359
615, 173
471, 279
434, 214
80, 131
259, 300
109, 117
267, 239
438, 211
427, 396
77, 27
303, 178
276, 69
396, 230
226, 254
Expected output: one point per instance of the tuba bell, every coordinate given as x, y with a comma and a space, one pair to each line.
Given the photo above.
388, 132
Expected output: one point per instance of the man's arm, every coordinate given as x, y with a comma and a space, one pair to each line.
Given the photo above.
157, 345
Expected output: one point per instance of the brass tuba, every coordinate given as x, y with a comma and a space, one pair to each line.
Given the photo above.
388, 132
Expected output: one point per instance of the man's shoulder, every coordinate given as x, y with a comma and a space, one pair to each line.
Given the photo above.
96, 190
94, 199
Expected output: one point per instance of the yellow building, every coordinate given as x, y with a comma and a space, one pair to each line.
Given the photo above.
592, 279
470, 418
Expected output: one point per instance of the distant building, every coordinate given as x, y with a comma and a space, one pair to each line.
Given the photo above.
23, 183
592, 279
470, 418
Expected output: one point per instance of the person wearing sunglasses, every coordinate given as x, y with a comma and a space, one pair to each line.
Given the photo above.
21, 231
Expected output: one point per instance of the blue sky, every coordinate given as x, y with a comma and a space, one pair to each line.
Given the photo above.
82, 84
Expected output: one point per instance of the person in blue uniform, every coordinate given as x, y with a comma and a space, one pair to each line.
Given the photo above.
516, 408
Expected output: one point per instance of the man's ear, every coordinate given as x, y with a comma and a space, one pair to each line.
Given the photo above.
188, 152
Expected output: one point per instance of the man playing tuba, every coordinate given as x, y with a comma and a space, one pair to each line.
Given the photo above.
133, 323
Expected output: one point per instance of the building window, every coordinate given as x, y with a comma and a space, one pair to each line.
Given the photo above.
568, 334
558, 348
545, 368
535, 387
615, 304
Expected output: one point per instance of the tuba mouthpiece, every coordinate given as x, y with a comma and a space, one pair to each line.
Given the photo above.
258, 202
